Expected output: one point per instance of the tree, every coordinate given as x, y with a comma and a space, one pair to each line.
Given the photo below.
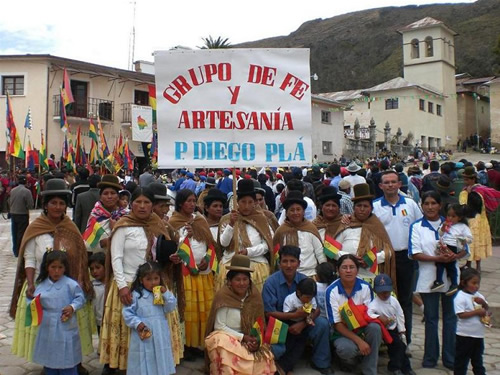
211, 43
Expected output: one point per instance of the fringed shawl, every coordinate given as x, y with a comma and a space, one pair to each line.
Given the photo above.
287, 232
330, 226
373, 234
257, 220
201, 230
67, 237
271, 218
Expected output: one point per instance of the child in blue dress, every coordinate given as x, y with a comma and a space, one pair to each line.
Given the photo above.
57, 345
150, 349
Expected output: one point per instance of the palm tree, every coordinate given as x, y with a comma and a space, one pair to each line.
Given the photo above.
211, 43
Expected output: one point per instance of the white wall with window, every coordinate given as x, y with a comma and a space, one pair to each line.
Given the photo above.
327, 136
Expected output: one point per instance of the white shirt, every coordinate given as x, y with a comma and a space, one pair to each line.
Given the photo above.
423, 240
310, 212
390, 309
458, 230
311, 253
471, 327
228, 319
336, 296
293, 303
199, 248
256, 252
34, 250
397, 219
349, 239
128, 252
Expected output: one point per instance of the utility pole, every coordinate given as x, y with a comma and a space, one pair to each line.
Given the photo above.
131, 46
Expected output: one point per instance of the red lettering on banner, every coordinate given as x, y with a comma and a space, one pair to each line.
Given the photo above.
227, 120
181, 85
298, 86
234, 93
263, 75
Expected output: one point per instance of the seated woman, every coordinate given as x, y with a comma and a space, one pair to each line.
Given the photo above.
350, 345
235, 308
298, 231
364, 233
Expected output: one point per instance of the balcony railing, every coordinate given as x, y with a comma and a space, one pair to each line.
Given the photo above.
86, 109
127, 113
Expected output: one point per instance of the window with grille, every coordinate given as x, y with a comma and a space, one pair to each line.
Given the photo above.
392, 103
14, 85
326, 117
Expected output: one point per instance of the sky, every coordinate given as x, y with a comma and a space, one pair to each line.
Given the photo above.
99, 31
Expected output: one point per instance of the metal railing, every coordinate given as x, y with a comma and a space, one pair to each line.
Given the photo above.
126, 113
87, 109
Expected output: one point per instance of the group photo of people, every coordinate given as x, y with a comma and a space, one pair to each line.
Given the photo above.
254, 270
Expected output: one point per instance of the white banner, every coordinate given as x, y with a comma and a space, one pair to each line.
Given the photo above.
142, 123
233, 107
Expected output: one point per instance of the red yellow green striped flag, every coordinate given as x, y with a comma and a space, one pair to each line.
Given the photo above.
211, 259
276, 254
257, 330
370, 259
351, 316
34, 312
186, 254
276, 331
331, 247
93, 232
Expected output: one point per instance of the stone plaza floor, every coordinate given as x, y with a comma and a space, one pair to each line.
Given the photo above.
12, 365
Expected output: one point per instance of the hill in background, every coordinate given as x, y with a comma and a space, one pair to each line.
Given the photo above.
362, 49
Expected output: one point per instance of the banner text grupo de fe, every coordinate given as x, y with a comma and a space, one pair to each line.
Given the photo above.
225, 107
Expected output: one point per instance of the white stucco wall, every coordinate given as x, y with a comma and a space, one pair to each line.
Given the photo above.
332, 132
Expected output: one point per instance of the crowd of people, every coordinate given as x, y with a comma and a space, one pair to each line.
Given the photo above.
338, 254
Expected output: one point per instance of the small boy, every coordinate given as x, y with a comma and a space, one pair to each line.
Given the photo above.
303, 298
97, 268
388, 310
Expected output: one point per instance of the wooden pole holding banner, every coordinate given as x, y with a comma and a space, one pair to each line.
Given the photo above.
236, 240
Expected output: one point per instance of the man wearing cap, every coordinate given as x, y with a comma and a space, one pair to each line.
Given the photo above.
146, 178
225, 184
346, 205
276, 288
20, 202
397, 213
353, 177
189, 182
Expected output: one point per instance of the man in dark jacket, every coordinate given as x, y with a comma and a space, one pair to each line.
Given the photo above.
20, 202
85, 202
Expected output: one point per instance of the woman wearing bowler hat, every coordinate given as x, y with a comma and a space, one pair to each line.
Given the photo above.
53, 229
254, 235
364, 233
236, 307
298, 231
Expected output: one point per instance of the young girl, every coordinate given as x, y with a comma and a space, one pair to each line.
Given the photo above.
455, 235
470, 307
150, 350
57, 345
325, 275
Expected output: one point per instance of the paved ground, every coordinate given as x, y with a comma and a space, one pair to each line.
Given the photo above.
12, 365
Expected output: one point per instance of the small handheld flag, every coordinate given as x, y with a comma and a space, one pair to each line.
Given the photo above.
276, 332
93, 232
276, 255
211, 259
186, 254
257, 330
331, 247
34, 312
370, 259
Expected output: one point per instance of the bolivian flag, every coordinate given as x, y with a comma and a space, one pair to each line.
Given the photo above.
211, 259
276, 332
93, 232
186, 254
331, 247
276, 255
370, 259
34, 312
257, 330
351, 316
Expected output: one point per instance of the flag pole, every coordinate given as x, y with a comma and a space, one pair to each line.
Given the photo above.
236, 242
